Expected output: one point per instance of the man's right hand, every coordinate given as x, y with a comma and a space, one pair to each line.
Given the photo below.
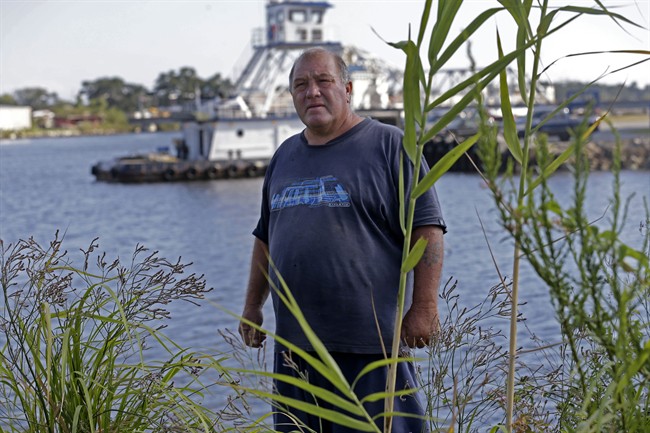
251, 336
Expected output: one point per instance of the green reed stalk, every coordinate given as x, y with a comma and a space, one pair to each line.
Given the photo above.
512, 350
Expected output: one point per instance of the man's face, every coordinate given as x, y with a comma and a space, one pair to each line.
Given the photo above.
319, 96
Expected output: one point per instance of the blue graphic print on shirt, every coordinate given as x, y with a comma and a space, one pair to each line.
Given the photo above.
321, 191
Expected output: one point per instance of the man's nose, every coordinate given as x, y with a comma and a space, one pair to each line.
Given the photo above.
313, 89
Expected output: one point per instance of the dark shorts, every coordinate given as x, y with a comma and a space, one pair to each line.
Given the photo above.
351, 365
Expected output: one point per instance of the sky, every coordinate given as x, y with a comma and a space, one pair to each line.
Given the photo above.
57, 44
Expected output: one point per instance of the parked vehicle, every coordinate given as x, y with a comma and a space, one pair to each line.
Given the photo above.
560, 125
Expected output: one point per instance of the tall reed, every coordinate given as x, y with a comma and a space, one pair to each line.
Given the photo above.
418, 89
599, 290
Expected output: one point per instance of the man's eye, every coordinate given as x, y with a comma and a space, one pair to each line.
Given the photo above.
299, 84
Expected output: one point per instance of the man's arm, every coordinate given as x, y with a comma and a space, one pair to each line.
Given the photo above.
421, 320
256, 294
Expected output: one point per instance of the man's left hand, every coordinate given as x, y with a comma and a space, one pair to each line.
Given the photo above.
419, 325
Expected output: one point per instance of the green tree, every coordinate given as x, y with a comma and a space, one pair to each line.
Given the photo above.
36, 97
7, 99
216, 86
176, 88
115, 91
184, 86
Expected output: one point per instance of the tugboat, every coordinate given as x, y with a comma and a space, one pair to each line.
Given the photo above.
242, 133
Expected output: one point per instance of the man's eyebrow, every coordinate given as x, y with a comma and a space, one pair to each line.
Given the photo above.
322, 75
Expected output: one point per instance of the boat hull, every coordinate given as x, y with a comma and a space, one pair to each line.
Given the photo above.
151, 170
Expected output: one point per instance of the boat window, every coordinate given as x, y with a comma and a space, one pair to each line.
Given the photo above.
298, 16
317, 17
240, 133
317, 35
302, 34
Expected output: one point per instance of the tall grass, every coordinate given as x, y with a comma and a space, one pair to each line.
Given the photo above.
74, 344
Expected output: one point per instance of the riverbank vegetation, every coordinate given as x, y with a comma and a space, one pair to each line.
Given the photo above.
104, 105
73, 358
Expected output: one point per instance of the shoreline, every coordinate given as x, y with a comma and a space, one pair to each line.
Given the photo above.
637, 122
633, 131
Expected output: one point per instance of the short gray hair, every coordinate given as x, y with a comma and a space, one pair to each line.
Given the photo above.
344, 74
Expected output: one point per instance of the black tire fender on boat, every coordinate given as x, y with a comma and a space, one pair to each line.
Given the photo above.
233, 171
169, 174
252, 170
191, 173
212, 172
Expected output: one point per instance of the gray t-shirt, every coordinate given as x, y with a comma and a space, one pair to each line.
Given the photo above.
330, 217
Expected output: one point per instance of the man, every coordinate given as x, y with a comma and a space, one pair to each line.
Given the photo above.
330, 224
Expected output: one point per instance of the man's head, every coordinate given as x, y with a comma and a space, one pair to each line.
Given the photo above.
321, 91
344, 74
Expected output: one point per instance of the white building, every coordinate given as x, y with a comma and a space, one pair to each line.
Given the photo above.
14, 118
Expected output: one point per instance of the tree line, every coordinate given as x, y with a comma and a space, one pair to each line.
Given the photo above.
180, 87
184, 87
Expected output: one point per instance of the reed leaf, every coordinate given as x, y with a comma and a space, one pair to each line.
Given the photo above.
401, 194
379, 364
414, 255
463, 37
581, 10
424, 20
443, 165
519, 12
447, 10
328, 396
589, 53
316, 410
445, 119
552, 167
333, 375
522, 36
479, 80
411, 99
509, 126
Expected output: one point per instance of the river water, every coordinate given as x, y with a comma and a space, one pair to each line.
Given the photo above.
46, 185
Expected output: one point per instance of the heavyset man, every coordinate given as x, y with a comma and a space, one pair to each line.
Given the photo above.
330, 223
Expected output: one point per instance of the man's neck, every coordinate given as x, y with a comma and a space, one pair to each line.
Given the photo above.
316, 137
